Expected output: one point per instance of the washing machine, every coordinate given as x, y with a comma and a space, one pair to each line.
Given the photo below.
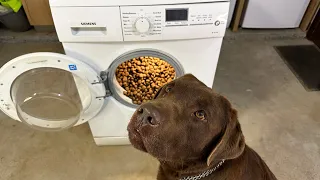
53, 92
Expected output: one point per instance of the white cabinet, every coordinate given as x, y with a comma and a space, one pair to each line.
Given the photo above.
274, 13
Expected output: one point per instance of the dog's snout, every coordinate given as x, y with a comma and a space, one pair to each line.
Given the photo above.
148, 115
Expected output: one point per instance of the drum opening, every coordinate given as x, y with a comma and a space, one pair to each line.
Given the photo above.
137, 76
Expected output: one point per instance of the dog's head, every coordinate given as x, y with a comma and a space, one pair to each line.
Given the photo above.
187, 121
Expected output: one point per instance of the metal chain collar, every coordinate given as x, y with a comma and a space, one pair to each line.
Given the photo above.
204, 174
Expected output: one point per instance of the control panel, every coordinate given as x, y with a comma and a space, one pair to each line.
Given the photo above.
165, 22
141, 23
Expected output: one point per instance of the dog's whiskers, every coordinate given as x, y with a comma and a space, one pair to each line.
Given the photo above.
166, 152
181, 163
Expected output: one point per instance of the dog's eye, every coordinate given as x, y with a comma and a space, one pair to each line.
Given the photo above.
168, 89
200, 114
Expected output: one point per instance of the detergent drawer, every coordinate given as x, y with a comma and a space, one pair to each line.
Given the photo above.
87, 24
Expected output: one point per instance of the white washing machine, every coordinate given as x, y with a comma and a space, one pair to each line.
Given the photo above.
50, 91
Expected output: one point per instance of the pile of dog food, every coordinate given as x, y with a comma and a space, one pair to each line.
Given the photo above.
142, 77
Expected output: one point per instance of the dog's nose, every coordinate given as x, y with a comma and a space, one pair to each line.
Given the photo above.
148, 115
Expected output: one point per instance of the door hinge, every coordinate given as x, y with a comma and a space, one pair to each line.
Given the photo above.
104, 80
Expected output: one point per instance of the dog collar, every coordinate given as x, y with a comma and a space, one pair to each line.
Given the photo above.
204, 174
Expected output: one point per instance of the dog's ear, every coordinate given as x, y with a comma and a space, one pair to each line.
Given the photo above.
232, 143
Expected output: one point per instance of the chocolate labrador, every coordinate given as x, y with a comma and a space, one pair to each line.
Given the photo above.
195, 134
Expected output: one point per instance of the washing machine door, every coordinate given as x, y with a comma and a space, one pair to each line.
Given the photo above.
50, 91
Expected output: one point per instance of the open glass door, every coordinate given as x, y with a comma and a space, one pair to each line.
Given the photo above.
50, 91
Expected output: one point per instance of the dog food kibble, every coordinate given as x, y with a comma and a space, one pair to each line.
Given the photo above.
142, 77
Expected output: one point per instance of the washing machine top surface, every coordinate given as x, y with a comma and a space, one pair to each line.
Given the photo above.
83, 3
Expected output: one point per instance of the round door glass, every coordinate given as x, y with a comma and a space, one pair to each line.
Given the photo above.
49, 98
135, 77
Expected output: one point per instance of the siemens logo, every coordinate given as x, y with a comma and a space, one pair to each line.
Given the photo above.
88, 23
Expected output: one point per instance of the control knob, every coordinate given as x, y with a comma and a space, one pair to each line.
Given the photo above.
142, 25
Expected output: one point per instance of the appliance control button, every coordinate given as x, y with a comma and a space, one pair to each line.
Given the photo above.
217, 23
142, 25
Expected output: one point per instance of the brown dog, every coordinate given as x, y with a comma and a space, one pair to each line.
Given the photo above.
195, 134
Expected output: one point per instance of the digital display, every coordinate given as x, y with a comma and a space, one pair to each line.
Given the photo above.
177, 14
